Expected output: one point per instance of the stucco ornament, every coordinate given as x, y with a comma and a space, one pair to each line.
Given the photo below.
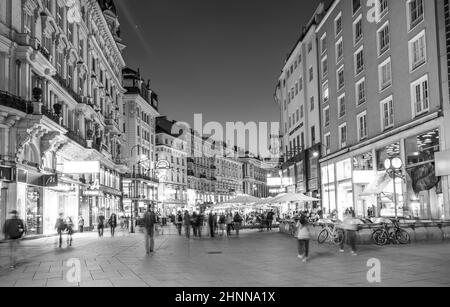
74, 11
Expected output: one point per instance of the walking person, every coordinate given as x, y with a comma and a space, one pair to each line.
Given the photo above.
270, 220
14, 230
187, 224
350, 229
303, 237
237, 222
179, 222
211, 219
60, 227
81, 224
112, 222
194, 223
199, 223
149, 230
222, 220
100, 224
229, 222
70, 231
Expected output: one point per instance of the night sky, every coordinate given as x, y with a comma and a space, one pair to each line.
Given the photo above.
220, 58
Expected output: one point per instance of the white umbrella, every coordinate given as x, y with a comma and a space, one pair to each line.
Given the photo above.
242, 199
292, 197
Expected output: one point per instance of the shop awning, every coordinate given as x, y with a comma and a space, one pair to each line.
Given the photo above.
377, 186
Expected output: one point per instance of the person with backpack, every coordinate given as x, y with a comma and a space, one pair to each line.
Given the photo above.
14, 230
100, 224
149, 222
237, 222
60, 227
303, 237
112, 222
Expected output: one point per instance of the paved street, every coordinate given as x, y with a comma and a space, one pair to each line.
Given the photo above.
255, 259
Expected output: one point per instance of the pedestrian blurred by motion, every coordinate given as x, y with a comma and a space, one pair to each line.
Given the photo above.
100, 224
216, 223
270, 220
70, 231
60, 227
149, 222
112, 222
194, 223
222, 223
187, 224
199, 223
81, 224
229, 222
350, 227
211, 226
303, 237
179, 222
14, 230
237, 222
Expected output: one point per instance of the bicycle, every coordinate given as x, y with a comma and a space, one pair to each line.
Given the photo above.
395, 234
331, 234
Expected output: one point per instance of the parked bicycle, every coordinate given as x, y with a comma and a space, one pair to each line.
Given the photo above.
331, 234
395, 234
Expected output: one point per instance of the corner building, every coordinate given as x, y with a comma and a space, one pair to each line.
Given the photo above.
384, 93
60, 101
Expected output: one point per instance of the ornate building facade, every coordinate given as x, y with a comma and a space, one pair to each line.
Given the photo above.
60, 101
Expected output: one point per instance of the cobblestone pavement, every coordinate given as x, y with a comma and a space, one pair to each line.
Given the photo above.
252, 260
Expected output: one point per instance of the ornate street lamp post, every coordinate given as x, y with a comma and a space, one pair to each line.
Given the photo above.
393, 167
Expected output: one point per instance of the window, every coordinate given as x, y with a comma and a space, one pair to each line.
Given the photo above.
297, 113
361, 92
384, 42
420, 96
70, 76
323, 43
310, 47
311, 74
301, 112
327, 138
359, 61
356, 5
340, 78
339, 50
285, 105
311, 101
383, 8
324, 67
27, 21
343, 136
384, 74
300, 84
342, 107
325, 92
296, 88
59, 16
326, 116
70, 32
387, 113
59, 63
313, 136
417, 51
362, 126
302, 136
81, 48
338, 24
357, 30
415, 13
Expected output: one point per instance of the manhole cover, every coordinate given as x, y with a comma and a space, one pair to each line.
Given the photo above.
214, 253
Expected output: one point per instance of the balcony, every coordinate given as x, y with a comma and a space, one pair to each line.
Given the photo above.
76, 138
142, 177
51, 115
63, 82
14, 102
112, 125
44, 52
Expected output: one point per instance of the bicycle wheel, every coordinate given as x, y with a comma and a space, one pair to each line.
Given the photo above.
323, 236
402, 236
380, 237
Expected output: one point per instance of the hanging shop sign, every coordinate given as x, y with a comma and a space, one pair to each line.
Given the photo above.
50, 180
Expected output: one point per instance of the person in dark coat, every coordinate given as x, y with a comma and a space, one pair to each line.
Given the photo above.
112, 222
149, 222
13, 229
187, 224
100, 224
211, 223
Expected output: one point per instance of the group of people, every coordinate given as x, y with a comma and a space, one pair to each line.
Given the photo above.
303, 235
217, 223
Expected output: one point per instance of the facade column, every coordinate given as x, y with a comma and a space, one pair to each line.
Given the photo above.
4, 69
25, 83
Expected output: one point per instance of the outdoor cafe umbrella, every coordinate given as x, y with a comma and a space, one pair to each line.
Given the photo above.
292, 197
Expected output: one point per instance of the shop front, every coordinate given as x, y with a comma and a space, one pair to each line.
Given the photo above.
359, 179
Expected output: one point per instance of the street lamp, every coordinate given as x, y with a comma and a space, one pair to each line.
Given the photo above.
393, 167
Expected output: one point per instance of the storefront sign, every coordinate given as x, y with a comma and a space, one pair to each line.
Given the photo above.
50, 180
6, 174
313, 184
93, 193
83, 167
442, 163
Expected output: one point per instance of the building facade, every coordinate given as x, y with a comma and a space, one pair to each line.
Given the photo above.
384, 93
227, 171
255, 173
60, 101
171, 165
297, 96
140, 110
